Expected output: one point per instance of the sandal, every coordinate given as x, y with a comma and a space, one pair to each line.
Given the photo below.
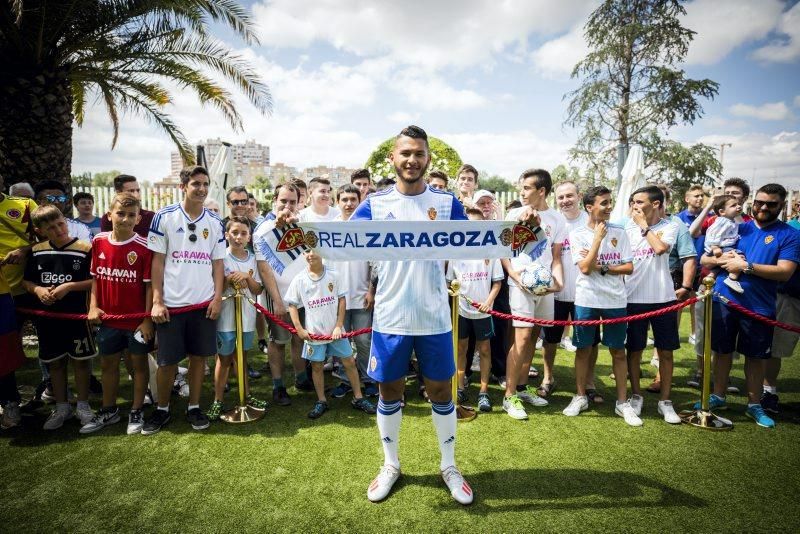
594, 396
654, 387
546, 389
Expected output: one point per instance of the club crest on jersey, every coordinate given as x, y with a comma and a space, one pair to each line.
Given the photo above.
432, 213
769, 239
250, 272
373, 363
517, 237
614, 242
14, 213
205, 233
330, 287
659, 234
132, 256
152, 239
76, 265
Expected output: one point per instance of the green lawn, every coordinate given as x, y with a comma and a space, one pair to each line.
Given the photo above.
288, 473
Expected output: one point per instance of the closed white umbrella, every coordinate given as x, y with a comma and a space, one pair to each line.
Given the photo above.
632, 179
221, 174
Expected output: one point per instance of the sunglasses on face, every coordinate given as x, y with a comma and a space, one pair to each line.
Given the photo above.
56, 198
239, 202
770, 204
192, 227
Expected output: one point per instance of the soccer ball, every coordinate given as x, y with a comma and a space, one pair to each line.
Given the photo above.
536, 278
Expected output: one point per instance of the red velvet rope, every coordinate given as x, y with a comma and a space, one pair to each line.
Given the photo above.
738, 307
316, 337
107, 317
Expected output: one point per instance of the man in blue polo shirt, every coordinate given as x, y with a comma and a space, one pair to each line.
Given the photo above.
771, 251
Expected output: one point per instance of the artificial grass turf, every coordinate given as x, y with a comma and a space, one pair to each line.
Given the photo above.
288, 473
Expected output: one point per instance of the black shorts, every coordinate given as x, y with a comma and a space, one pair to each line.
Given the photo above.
562, 311
112, 341
482, 328
733, 331
665, 328
677, 279
59, 338
186, 334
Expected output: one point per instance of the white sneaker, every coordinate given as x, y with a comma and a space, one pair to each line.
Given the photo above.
654, 361
459, 488
578, 404
636, 402
135, 422
382, 484
567, 345
625, 410
530, 396
539, 343
501, 381
733, 284
513, 407
665, 408
85, 415
12, 416
692, 339
102, 419
476, 362
56, 419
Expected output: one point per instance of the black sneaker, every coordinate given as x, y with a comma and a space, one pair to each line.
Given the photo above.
305, 385
280, 397
95, 387
197, 419
157, 420
461, 396
262, 345
319, 409
363, 405
341, 390
769, 401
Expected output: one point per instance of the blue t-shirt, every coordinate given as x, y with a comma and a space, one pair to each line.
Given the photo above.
794, 223
688, 219
792, 286
684, 244
764, 246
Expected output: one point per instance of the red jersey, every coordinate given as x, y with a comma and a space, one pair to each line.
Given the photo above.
120, 270
711, 218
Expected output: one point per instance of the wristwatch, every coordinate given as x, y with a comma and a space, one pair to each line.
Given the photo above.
749, 269
689, 289
645, 230
604, 270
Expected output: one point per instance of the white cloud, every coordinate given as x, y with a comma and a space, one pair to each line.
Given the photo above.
457, 33
786, 48
556, 58
772, 111
402, 117
433, 93
723, 26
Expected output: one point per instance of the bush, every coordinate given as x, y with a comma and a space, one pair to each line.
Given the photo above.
443, 158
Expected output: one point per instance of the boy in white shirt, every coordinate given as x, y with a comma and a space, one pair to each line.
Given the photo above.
318, 290
480, 281
320, 209
240, 271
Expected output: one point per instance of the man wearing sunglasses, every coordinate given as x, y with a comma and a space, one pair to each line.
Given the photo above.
770, 253
188, 247
53, 192
239, 206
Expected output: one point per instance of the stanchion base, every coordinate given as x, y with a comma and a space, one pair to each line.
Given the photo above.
242, 414
465, 413
706, 420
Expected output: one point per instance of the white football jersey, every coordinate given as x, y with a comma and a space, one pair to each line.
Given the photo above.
227, 318
650, 281
411, 297
309, 215
188, 275
476, 277
567, 293
554, 225
319, 297
291, 270
79, 230
595, 290
354, 276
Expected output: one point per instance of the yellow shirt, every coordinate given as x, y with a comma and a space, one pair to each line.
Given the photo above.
15, 211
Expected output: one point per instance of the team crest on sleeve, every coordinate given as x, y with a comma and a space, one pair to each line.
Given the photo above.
769, 239
132, 256
330, 287
614, 242
659, 234
432, 213
14, 213
205, 233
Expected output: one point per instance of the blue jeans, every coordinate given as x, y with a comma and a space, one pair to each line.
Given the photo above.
356, 320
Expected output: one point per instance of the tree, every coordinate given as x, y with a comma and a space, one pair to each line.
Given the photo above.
495, 183
82, 180
443, 158
105, 178
680, 166
632, 88
56, 55
261, 182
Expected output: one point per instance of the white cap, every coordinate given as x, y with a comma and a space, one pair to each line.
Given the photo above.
480, 194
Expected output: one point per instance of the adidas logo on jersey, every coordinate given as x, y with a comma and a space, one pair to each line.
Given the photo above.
390, 217
101, 256
180, 230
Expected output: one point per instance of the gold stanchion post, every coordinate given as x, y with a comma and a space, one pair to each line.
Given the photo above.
464, 413
241, 413
704, 418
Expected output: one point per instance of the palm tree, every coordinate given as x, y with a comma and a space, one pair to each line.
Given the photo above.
56, 54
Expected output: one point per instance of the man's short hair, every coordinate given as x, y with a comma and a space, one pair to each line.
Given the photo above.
542, 177
696, 187
125, 200
49, 184
251, 195
190, 172
20, 187
653, 193
360, 174
414, 132
513, 205
318, 181
237, 219
740, 183
298, 184
81, 195
122, 179
569, 182
773, 189
474, 211
384, 183
720, 202
289, 186
348, 188
468, 168
592, 193
441, 175
45, 214
235, 189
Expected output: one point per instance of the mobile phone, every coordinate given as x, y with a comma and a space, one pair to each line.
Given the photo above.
139, 337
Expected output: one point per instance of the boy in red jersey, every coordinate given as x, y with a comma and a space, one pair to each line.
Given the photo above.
121, 286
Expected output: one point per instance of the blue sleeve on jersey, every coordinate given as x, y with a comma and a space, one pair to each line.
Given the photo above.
363, 212
457, 211
791, 249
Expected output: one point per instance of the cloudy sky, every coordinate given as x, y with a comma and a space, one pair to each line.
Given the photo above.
486, 76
